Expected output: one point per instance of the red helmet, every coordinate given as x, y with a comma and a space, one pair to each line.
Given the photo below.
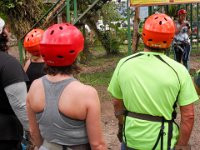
32, 41
182, 11
61, 44
158, 31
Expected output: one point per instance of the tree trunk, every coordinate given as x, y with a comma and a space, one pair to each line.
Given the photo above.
136, 35
52, 13
93, 27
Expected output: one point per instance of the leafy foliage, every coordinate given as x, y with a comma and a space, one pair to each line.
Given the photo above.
21, 14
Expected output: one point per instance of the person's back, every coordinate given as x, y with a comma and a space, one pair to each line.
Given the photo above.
146, 87
34, 70
61, 104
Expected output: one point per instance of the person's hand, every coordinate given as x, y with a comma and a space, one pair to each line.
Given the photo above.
180, 147
188, 26
120, 131
29, 144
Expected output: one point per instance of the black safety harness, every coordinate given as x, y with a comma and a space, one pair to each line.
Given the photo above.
155, 118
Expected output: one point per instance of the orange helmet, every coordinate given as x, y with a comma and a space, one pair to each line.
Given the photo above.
182, 11
32, 41
158, 31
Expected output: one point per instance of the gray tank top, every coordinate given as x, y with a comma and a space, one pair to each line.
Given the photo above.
54, 126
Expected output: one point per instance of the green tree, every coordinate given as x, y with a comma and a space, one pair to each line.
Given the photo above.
21, 14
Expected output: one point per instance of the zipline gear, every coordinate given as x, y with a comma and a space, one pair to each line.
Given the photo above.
32, 41
158, 31
61, 44
156, 118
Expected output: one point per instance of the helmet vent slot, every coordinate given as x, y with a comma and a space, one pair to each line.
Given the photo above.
71, 51
52, 32
59, 56
160, 22
61, 28
43, 55
156, 18
32, 35
150, 40
165, 42
28, 39
165, 19
144, 34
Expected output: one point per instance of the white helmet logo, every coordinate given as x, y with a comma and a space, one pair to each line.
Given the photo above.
2, 24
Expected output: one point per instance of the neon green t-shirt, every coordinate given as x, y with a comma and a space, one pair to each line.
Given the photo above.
148, 85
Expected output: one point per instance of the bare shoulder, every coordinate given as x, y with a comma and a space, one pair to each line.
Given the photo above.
36, 85
83, 90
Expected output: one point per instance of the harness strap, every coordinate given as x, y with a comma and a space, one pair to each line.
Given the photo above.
144, 116
155, 119
160, 136
77, 147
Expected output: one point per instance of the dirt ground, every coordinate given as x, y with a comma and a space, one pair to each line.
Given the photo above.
109, 122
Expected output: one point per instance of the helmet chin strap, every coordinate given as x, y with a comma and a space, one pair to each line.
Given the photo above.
2, 24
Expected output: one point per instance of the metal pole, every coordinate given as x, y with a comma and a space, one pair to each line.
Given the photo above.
68, 11
198, 25
20, 48
75, 10
191, 19
129, 28
150, 10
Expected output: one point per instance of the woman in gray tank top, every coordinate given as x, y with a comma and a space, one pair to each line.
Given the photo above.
64, 114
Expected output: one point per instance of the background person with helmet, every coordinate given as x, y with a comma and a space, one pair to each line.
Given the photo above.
63, 112
196, 80
182, 33
35, 65
146, 87
12, 97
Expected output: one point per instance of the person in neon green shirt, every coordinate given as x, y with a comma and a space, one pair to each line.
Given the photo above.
147, 86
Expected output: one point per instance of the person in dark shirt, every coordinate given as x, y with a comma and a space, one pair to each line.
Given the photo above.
34, 66
13, 92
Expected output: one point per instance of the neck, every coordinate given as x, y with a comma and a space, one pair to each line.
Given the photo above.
37, 58
149, 50
58, 77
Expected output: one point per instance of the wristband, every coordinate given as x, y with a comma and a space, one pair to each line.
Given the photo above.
119, 113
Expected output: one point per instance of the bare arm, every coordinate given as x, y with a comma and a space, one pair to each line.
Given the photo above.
93, 122
34, 127
119, 110
27, 65
119, 113
187, 122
